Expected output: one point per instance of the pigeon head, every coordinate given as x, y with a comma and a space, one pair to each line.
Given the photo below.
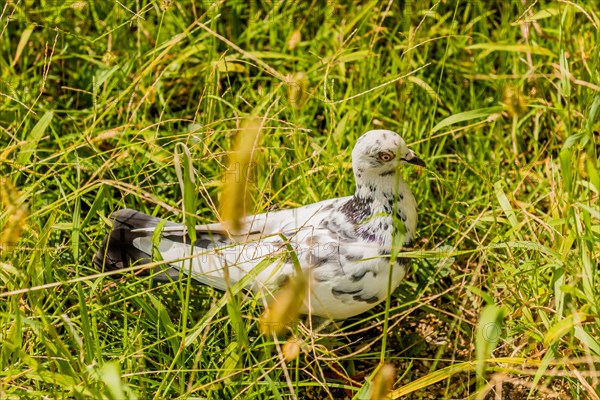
380, 152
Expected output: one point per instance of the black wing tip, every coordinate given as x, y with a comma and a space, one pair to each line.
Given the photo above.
117, 250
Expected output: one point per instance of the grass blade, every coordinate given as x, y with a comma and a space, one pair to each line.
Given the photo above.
28, 149
467, 116
487, 336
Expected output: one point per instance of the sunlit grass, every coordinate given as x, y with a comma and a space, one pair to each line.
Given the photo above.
102, 104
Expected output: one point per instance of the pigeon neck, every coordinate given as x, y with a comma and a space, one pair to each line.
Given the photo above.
386, 197
380, 188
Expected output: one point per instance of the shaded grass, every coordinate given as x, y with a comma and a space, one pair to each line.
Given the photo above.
95, 99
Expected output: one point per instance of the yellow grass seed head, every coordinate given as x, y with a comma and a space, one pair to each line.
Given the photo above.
383, 383
235, 197
16, 212
284, 308
514, 100
294, 40
291, 349
297, 93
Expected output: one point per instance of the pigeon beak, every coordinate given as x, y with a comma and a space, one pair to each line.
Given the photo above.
412, 158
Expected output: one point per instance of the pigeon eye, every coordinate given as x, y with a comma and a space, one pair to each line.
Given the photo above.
383, 156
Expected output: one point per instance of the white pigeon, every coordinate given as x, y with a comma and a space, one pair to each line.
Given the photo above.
344, 245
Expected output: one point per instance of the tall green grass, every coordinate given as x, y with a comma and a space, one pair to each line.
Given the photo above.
101, 101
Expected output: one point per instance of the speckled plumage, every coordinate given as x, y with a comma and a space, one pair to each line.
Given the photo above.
345, 243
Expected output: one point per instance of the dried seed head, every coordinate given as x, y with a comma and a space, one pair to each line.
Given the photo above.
383, 382
284, 307
16, 211
514, 100
235, 198
291, 349
297, 93
294, 40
